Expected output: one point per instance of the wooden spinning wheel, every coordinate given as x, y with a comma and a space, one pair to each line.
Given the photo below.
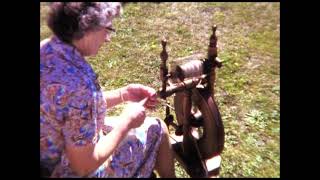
192, 85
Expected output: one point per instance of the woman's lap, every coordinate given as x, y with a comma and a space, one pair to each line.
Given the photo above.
136, 155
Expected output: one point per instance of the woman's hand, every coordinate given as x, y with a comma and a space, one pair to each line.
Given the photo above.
133, 115
137, 92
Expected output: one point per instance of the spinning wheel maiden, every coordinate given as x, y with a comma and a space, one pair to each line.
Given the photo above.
198, 117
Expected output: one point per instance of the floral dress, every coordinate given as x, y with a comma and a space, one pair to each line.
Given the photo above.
73, 111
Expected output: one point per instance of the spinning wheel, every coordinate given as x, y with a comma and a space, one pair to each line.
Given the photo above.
192, 85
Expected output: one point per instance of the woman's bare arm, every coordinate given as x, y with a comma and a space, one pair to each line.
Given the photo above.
113, 97
132, 93
85, 159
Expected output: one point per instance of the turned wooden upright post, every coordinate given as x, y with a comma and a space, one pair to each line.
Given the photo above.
212, 56
212, 50
163, 67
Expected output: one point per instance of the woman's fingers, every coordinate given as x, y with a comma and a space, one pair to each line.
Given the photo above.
147, 91
144, 101
151, 104
139, 92
147, 102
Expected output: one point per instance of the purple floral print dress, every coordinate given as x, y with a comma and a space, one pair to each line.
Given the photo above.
73, 111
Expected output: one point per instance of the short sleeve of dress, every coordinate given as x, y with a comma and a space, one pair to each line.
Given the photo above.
73, 110
80, 127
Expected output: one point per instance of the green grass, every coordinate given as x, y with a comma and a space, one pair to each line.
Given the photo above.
248, 84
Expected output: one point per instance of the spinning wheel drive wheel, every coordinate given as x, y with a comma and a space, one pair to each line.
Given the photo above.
205, 116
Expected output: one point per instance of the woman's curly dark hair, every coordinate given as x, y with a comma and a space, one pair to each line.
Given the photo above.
71, 20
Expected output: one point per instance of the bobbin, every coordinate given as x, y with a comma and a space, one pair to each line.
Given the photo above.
193, 68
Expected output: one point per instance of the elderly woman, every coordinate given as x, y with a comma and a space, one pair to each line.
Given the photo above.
76, 139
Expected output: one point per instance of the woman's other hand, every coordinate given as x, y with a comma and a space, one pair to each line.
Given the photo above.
137, 92
133, 115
